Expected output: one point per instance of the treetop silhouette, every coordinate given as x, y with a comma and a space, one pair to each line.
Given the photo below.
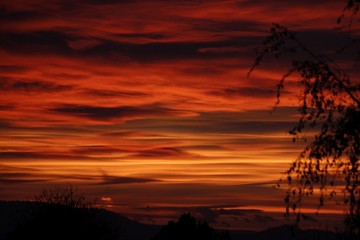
187, 227
62, 195
329, 104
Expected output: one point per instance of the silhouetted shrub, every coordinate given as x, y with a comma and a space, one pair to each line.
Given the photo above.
63, 195
57, 222
187, 228
61, 212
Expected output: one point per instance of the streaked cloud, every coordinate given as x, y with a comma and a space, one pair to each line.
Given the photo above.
9, 84
106, 180
121, 112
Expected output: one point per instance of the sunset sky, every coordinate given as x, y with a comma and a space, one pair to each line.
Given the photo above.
146, 106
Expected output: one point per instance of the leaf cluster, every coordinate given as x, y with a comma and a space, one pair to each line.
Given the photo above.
329, 106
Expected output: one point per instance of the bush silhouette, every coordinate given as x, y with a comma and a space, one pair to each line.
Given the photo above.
63, 195
62, 213
187, 228
57, 222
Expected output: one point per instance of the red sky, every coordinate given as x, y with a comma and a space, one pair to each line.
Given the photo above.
146, 104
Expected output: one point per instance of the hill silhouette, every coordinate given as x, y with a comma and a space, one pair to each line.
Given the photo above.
17, 217
15, 214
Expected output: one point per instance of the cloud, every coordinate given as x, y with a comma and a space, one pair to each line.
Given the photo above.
96, 149
22, 155
222, 50
43, 43
9, 15
112, 93
120, 112
6, 107
165, 152
13, 68
28, 85
114, 49
21, 178
113, 180
83, 43
109, 2
20, 175
221, 122
17, 175
149, 36
255, 92
67, 76
131, 152
27, 155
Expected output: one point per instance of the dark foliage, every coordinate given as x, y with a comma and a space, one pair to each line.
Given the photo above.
330, 106
187, 228
62, 195
61, 212
48, 221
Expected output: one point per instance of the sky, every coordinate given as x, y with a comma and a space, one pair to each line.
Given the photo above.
147, 107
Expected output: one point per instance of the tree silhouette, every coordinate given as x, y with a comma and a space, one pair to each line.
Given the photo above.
62, 195
61, 213
187, 228
59, 222
330, 106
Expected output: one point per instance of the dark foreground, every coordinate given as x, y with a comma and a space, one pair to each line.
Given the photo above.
17, 222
